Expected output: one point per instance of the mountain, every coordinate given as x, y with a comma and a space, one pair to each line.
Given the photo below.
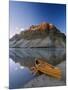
42, 35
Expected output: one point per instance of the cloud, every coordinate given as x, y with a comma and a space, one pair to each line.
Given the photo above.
16, 31
22, 29
19, 29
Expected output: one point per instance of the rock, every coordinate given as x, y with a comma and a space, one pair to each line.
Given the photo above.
45, 81
42, 35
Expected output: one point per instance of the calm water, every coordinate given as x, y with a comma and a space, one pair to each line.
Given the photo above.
21, 59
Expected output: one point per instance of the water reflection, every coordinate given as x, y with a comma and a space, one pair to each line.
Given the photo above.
18, 76
26, 57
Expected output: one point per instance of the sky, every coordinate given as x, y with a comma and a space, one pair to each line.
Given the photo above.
24, 14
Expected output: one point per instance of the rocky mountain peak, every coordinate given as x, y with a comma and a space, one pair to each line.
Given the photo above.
42, 35
42, 26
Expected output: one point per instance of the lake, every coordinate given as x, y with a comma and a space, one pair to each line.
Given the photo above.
22, 59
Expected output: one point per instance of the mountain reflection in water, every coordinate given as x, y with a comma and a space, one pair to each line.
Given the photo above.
25, 57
